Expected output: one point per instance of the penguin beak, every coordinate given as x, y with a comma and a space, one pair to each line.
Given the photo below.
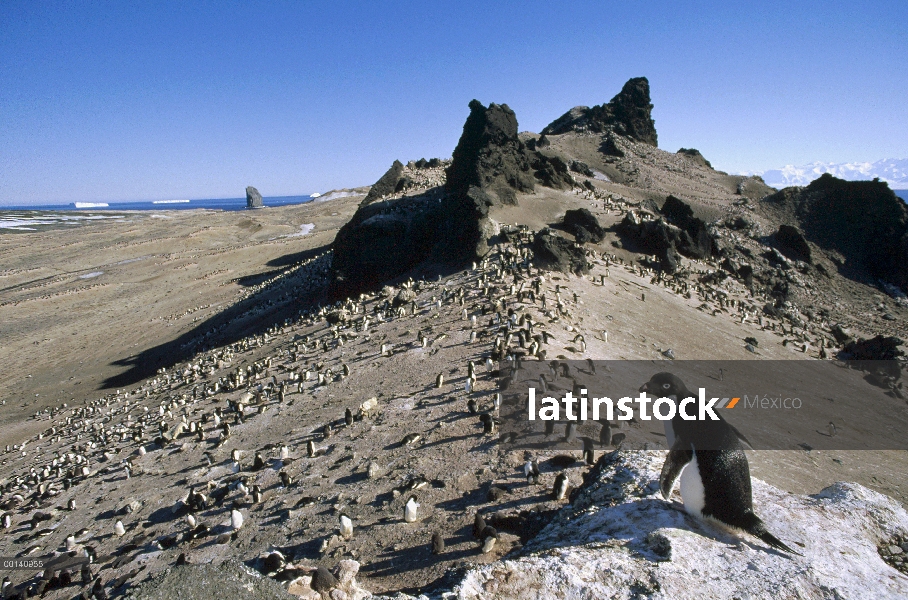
644, 387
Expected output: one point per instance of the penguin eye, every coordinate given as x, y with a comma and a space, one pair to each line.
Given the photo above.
666, 386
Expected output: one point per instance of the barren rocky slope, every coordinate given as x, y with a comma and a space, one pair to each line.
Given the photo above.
253, 421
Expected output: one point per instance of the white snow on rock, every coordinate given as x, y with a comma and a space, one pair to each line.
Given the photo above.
620, 539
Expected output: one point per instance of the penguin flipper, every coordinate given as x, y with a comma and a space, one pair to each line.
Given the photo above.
677, 457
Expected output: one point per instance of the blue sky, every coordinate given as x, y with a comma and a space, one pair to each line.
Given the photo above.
157, 100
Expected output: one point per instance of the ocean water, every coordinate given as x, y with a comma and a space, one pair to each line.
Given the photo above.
210, 204
903, 194
53, 216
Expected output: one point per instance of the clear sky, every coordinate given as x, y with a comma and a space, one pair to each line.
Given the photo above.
159, 100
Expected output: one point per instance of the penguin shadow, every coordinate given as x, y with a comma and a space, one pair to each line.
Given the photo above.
544, 495
485, 446
393, 562
352, 478
449, 440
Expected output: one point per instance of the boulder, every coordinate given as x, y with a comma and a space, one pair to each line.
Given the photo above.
386, 184
555, 253
864, 221
583, 224
490, 156
582, 168
552, 171
792, 244
655, 236
609, 147
620, 539
253, 198
699, 242
628, 114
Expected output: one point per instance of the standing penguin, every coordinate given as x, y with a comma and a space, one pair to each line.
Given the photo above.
561, 486
531, 470
438, 543
715, 476
346, 526
410, 510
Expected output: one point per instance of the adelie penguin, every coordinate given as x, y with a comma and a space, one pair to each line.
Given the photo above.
438, 543
560, 489
531, 470
708, 456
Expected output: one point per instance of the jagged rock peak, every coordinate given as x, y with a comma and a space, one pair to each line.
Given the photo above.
386, 184
490, 156
628, 114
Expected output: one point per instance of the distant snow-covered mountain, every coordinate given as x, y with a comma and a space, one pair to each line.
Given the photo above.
893, 171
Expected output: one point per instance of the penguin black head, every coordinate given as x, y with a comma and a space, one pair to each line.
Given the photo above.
663, 385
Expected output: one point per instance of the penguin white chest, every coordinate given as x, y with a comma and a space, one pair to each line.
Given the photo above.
692, 491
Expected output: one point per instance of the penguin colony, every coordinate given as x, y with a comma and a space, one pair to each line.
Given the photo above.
199, 415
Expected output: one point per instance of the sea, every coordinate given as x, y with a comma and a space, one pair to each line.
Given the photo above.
210, 204
38, 217
903, 194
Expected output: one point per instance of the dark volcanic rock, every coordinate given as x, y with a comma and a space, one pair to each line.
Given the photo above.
863, 220
628, 114
694, 154
610, 148
381, 241
582, 168
490, 156
655, 236
552, 171
558, 254
583, 224
253, 198
387, 183
878, 348
699, 242
792, 244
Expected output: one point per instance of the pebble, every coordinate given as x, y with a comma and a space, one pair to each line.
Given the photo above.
894, 550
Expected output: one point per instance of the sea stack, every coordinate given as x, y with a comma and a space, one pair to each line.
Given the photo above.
253, 198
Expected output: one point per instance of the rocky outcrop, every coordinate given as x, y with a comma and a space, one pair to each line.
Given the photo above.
381, 241
792, 244
695, 156
552, 171
680, 214
877, 348
619, 539
552, 252
679, 232
253, 198
654, 236
490, 156
584, 226
386, 185
490, 166
628, 114
863, 221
